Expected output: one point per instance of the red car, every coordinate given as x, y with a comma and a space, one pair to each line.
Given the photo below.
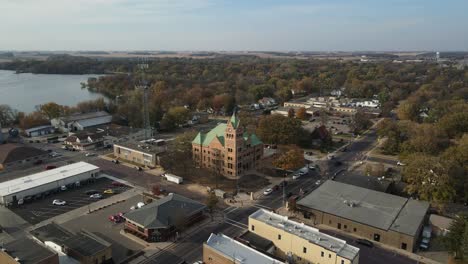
116, 183
50, 167
117, 218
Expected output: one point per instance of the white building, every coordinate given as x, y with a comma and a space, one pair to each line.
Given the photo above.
77, 122
14, 190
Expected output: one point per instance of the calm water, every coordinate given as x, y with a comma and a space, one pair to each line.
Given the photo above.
24, 91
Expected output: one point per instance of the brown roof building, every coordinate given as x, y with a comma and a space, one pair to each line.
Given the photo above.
14, 155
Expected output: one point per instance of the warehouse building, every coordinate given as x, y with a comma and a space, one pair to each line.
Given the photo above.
382, 217
78, 122
13, 191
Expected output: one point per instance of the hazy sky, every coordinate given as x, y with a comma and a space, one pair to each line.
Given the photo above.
317, 25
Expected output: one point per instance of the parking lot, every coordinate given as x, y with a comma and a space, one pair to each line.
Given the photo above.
99, 224
337, 125
36, 211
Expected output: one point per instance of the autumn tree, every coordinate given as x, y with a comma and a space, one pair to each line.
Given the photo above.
428, 178
301, 113
408, 110
32, 120
51, 110
455, 240
290, 160
278, 129
360, 122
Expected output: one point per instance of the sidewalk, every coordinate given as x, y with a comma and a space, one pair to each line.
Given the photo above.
299, 218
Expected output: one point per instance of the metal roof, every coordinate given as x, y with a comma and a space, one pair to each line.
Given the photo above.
96, 121
365, 206
313, 235
77, 117
38, 128
45, 177
205, 139
238, 252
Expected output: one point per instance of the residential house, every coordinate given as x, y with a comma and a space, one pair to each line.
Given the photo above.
84, 141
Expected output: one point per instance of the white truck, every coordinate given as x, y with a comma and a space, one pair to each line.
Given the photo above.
173, 178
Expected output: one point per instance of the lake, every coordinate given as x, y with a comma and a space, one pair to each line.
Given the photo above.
24, 91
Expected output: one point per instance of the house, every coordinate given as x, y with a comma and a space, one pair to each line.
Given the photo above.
440, 224
227, 149
26, 251
39, 131
267, 102
85, 141
162, 219
15, 155
298, 243
221, 249
83, 247
139, 152
389, 219
76, 122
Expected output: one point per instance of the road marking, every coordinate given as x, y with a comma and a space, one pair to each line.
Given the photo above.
262, 207
235, 223
232, 210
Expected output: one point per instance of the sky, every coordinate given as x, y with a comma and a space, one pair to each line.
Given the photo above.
234, 25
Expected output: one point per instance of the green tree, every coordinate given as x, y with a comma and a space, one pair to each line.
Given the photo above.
7, 115
278, 129
408, 110
178, 114
360, 122
456, 235
211, 202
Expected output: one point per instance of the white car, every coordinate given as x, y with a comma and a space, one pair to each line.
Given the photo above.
90, 154
318, 182
296, 176
95, 196
267, 191
59, 202
399, 163
63, 188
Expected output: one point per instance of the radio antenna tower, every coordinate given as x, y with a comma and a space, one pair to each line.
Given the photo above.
142, 84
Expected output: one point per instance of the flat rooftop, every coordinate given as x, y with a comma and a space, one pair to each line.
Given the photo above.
45, 177
28, 251
141, 146
313, 235
237, 251
377, 209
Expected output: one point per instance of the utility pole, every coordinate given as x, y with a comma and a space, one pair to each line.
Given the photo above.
284, 189
142, 84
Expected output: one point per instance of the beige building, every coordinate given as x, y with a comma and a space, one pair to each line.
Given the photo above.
221, 249
382, 217
142, 154
227, 149
299, 243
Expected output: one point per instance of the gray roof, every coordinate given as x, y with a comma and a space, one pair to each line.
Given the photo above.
238, 252
28, 251
38, 128
365, 206
255, 241
165, 212
78, 117
141, 147
313, 235
96, 121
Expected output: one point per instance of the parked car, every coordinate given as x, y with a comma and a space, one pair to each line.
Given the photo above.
296, 176
364, 242
95, 196
50, 167
318, 182
118, 184
63, 188
59, 202
91, 192
399, 163
267, 191
89, 154
117, 218
108, 191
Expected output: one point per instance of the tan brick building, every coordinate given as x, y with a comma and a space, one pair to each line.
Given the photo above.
382, 217
142, 154
299, 243
227, 149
